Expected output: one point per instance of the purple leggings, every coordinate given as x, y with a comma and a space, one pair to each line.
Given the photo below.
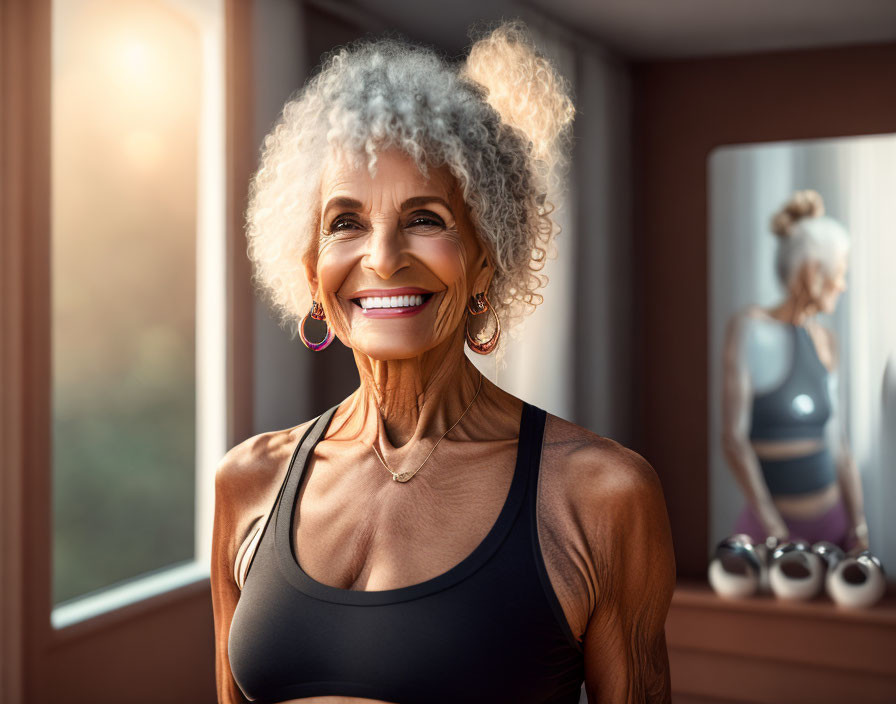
832, 525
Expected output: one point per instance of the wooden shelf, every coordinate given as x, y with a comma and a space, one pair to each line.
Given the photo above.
761, 649
700, 594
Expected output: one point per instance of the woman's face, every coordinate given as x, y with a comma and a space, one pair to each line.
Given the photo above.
397, 256
826, 287
833, 285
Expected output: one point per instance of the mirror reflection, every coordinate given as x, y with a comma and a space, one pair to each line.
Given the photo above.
802, 341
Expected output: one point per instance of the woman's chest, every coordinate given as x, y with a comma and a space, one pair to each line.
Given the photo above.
357, 579
351, 527
361, 530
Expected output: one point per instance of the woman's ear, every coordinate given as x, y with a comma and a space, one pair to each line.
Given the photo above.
484, 275
814, 277
310, 268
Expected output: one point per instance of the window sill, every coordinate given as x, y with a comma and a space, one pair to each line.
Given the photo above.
128, 599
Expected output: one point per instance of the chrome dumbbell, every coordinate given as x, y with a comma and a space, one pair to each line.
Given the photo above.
857, 582
829, 553
735, 568
796, 572
765, 550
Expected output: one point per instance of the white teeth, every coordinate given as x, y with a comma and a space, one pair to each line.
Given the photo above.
391, 301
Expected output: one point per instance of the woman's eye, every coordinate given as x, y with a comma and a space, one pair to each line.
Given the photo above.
341, 225
425, 221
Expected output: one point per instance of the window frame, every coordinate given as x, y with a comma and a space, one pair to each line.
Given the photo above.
33, 653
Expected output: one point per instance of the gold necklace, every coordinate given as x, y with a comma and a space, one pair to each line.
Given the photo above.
405, 476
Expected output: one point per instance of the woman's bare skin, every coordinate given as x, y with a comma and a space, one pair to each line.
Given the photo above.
363, 531
357, 529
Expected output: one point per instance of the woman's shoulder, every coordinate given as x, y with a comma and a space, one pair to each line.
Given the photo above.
753, 334
750, 319
599, 501
247, 480
597, 473
255, 460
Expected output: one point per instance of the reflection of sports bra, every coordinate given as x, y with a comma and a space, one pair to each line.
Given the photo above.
801, 405
490, 629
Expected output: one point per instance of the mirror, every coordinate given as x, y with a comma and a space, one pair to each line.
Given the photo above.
802, 339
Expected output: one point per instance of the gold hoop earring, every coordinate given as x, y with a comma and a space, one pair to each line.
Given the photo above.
481, 305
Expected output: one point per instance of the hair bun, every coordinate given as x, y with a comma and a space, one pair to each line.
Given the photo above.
525, 89
802, 204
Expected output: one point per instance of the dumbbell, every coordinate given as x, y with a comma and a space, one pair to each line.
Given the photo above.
765, 550
829, 553
858, 581
735, 569
796, 572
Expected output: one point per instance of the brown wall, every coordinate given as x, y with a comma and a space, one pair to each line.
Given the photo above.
682, 110
157, 650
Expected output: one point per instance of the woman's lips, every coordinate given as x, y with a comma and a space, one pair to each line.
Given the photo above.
400, 312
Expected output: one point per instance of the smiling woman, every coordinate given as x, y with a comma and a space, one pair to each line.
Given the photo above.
514, 555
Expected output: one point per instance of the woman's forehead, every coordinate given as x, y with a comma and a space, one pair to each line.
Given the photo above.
395, 171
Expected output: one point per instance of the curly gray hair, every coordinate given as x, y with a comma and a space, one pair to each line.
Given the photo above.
500, 122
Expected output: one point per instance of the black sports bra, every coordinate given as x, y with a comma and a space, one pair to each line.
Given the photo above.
490, 629
801, 406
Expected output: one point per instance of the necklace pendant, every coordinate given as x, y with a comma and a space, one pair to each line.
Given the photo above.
402, 477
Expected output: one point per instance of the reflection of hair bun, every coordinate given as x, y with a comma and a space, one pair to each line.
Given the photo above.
526, 91
802, 204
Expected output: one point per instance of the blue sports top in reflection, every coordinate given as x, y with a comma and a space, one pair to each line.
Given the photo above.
801, 406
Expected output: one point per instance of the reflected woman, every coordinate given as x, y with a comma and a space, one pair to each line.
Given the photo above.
782, 435
431, 538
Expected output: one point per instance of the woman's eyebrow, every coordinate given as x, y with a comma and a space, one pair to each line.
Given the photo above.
418, 201
414, 202
344, 202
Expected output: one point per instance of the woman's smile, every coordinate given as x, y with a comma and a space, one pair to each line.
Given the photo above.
396, 310
392, 303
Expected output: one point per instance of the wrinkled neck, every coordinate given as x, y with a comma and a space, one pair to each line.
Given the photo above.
400, 402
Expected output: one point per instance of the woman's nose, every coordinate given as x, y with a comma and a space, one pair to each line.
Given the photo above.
385, 253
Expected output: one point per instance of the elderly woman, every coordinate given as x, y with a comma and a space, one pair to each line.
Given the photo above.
431, 538
782, 436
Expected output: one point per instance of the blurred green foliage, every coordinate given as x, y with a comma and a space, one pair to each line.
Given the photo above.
124, 486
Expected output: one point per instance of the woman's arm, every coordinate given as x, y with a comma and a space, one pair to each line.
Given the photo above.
225, 593
847, 472
247, 483
736, 408
851, 488
634, 566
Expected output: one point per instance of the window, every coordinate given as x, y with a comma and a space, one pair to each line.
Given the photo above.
138, 277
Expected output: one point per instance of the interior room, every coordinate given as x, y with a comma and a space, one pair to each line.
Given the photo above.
137, 348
